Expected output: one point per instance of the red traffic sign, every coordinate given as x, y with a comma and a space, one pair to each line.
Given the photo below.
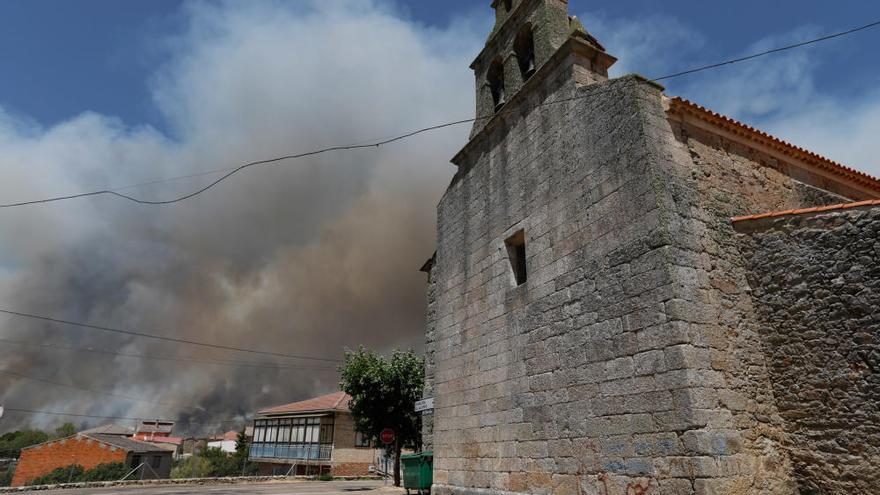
387, 436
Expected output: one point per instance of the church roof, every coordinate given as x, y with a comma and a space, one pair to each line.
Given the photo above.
867, 183
805, 211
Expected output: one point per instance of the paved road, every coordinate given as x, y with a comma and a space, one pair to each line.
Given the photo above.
273, 488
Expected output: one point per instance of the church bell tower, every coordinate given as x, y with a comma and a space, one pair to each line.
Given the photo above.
528, 34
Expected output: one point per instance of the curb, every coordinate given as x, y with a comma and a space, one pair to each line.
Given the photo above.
183, 481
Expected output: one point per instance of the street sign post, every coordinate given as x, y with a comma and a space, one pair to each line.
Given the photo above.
387, 436
425, 405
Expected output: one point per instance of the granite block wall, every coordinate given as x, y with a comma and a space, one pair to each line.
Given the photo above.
598, 375
816, 287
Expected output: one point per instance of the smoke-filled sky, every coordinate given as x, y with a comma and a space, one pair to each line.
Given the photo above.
311, 256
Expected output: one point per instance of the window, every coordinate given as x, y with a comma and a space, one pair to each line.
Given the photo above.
508, 5
293, 438
135, 461
157, 461
361, 440
495, 77
516, 252
524, 47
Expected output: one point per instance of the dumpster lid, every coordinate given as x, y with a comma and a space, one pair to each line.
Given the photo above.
410, 456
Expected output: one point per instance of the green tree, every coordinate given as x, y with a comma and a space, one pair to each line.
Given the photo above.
110, 471
194, 466
384, 393
221, 463
65, 430
11, 443
241, 458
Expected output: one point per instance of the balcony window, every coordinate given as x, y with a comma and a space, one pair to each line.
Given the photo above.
309, 438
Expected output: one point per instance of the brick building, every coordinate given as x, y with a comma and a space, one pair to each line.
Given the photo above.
310, 437
611, 309
90, 450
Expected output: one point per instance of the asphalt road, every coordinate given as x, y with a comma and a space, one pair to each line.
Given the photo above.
272, 488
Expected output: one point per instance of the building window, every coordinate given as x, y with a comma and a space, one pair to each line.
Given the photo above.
495, 77
135, 461
516, 253
524, 47
293, 438
361, 440
157, 461
508, 5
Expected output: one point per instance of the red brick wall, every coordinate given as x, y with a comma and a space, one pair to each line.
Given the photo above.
44, 458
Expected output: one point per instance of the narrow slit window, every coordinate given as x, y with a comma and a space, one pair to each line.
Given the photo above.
516, 252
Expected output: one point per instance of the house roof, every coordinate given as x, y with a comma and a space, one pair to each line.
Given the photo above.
804, 211
337, 401
155, 427
868, 184
165, 440
228, 436
126, 443
117, 441
110, 429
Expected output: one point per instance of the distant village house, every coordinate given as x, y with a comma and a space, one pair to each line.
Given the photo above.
90, 450
314, 436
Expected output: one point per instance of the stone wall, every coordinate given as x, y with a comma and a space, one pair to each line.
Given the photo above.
595, 375
816, 286
733, 426
430, 362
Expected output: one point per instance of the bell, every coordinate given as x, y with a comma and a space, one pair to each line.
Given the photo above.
530, 66
500, 97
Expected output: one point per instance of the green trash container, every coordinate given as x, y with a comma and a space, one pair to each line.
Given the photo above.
418, 472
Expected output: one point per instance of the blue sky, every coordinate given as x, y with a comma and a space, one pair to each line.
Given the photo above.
60, 58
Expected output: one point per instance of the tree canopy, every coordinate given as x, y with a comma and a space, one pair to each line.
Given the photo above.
384, 393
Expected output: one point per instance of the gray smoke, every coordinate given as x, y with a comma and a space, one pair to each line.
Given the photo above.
307, 257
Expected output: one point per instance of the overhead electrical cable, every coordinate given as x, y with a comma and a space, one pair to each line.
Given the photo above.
163, 338
93, 391
378, 143
75, 415
216, 362
123, 418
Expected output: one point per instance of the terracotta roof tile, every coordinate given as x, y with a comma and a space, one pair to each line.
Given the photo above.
337, 401
803, 211
866, 180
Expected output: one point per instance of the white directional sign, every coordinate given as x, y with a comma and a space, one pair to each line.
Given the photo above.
425, 405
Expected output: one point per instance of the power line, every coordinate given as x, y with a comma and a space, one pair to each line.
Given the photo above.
72, 415
122, 418
99, 392
769, 52
166, 339
216, 362
378, 143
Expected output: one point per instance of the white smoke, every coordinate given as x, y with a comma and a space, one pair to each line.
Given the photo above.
304, 257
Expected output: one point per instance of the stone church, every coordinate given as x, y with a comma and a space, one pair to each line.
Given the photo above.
635, 295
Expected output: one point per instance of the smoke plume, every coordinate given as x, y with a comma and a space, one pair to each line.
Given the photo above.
305, 257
